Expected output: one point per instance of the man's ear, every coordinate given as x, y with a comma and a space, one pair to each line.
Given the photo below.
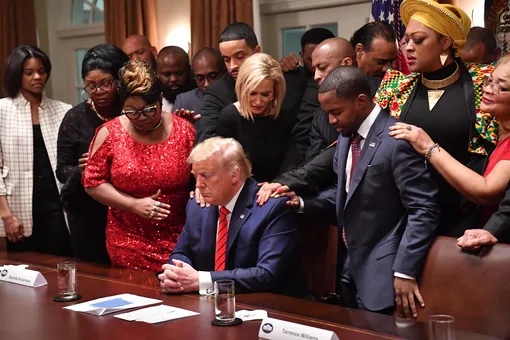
301, 54
154, 51
359, 50
362, 101
257, 49
347, 61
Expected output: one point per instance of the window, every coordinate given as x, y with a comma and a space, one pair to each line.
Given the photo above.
292, 40
79, 55
291, 37
85, 12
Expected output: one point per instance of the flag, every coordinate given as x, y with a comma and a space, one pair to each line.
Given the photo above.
389, 11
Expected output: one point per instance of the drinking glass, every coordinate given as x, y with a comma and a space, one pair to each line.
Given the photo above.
225, 300
441, 327
66, 279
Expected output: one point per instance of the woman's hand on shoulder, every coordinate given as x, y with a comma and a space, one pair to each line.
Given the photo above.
418, 138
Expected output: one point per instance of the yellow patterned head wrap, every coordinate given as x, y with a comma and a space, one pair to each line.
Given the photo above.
447, 20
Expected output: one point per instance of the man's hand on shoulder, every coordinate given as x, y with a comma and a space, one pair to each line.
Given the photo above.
179, 278
406, 290
290, 62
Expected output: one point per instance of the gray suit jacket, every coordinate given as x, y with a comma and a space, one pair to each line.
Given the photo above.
390, 213
191, 100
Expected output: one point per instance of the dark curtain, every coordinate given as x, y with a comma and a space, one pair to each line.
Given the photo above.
125, 17
210, 17
17, 27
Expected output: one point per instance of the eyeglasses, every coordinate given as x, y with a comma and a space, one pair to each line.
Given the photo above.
495, 87
104, 86
148, 111
211, 77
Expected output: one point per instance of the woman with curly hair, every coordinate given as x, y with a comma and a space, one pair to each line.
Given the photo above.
137, 166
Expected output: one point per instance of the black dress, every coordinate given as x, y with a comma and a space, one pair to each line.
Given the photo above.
448, 124
265, 140
49, 234
86, 217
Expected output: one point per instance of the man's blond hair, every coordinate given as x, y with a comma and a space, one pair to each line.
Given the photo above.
228, 151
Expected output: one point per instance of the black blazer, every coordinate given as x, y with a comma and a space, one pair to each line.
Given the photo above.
499, 223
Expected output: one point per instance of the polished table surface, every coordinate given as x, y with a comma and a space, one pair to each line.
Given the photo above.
30, 313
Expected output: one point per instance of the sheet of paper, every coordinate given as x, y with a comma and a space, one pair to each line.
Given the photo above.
156, 314
112, 304
248, 315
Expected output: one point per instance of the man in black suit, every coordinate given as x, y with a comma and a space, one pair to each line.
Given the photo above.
208, 67
237, 42
375, 50
385, 200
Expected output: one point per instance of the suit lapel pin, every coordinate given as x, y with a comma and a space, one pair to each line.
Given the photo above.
372, 145
241, 217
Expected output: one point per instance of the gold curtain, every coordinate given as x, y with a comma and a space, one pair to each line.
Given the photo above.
17, 27
125, 17
210, 17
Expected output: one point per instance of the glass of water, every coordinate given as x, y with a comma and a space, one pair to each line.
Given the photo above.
66, 279
225, 300
441, 327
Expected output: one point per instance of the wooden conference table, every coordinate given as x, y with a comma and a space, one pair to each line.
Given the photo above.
29, 313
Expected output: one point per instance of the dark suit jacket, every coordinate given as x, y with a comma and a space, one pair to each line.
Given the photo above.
191, 100
499, 223
321, 133
390, 213
222, 93
262, 249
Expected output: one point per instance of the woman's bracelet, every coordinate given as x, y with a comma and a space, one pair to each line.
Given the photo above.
432, 149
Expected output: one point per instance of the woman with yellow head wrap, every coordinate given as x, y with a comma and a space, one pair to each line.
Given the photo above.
442, 97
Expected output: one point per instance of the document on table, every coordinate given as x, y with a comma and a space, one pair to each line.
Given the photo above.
156, 314
112, 304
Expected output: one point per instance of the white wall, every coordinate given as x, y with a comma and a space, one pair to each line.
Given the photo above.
174, 23
475, 9
349, 18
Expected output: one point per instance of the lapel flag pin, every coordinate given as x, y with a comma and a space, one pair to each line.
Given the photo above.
372, 145
241, 217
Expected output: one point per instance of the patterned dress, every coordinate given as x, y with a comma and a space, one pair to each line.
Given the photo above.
139, 170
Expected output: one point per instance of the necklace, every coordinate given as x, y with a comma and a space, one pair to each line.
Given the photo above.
97, 113
154, 128
434, 93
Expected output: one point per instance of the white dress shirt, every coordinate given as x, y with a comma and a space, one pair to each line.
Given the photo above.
205, 283
167, 106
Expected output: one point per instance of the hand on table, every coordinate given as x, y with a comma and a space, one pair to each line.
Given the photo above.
13, 228
406, 290
473, 239
179, 278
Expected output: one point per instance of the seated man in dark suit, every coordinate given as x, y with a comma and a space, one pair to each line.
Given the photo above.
208, 66
234, 238
385, 200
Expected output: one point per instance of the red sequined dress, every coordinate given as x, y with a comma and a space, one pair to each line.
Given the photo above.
140, 170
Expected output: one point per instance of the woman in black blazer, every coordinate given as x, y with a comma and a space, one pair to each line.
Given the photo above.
257, 119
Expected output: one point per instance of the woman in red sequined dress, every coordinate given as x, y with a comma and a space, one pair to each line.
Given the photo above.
138, 168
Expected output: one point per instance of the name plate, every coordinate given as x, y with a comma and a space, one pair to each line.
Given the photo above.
274, 329
22, 276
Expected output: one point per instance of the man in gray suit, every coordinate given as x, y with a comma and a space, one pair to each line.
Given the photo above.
385, 200
208, 66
